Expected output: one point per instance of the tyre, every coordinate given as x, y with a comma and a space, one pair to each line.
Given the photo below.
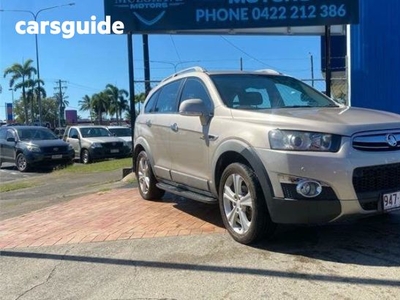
85, 157
22, 164
243, 207
146, 179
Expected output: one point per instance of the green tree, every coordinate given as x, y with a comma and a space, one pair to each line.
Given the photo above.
100, 104
49, 107
33, 94
118, 102
19, 75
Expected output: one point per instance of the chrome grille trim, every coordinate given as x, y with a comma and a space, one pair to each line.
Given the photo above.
376, 141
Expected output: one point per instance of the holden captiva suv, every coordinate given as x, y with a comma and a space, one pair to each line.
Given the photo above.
267, 148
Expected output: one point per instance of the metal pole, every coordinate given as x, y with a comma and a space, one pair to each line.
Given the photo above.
35, 15
39, 96
131, 90
328, 70
312, 69
146, 61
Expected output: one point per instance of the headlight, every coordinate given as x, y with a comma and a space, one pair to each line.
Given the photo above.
303, 141
96, 145
33, 148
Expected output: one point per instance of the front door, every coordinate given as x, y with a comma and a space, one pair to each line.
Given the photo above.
189, 141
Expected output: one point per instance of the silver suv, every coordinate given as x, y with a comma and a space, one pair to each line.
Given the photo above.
268, 148
95, 142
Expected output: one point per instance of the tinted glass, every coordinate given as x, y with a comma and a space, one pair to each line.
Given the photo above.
247, 91
149, 108
94, 132
37, 133
121, 131
168, 99
195, 89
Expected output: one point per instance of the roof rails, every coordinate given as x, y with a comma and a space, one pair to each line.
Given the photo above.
191, 69
269, 71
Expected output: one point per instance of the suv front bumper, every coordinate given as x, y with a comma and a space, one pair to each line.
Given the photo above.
339, 173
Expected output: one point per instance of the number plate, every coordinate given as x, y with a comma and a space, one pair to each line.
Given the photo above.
58, 156
391, 201
114, 150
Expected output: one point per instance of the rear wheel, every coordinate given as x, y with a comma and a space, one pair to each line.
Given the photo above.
85, 157
242, 204
146, 179
22, 164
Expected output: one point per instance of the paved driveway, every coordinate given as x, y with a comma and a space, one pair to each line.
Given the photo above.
114, 245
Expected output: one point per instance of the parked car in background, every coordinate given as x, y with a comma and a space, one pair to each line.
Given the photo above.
122, 132
268, 148
59, 131
30, 146
94, 143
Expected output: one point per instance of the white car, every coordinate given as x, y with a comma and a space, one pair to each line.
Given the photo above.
122, 132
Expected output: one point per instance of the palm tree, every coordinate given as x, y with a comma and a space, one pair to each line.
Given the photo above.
33, 93
21, 72
85, 104
118, 103
100, 104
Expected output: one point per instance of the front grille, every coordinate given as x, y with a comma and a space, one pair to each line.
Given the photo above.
289, 192
378, 142
371, 182
113, 145
54, 149
376, 178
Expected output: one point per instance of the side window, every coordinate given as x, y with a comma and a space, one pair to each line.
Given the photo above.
149, 108
168, 98
3, 133
73, 132
195, 89
10, 134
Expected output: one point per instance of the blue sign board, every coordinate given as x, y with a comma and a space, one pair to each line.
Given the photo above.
161, 16
9, 112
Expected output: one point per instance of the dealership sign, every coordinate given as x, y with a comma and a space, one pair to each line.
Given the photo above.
177, 16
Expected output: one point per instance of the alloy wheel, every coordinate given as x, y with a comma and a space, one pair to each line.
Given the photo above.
237, 203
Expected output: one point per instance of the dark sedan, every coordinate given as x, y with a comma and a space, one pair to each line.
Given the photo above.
30, 146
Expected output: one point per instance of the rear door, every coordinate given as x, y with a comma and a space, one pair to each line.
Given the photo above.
165, 110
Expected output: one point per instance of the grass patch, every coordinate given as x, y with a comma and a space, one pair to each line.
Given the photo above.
13, 186
97, 167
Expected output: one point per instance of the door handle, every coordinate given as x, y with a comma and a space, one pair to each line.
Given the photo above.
148, 123
174, 127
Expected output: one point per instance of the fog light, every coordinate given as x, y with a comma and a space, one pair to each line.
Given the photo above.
309, 188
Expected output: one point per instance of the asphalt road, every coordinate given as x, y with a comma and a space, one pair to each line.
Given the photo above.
50, 188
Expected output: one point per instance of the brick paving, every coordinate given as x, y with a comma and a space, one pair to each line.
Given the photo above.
119, 214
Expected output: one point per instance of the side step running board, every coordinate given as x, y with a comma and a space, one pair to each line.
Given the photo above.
186, 193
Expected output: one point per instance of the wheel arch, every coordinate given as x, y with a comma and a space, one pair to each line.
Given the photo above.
142, 145
239, 151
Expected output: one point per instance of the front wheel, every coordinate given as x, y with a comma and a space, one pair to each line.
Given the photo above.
85, 157
146, 179
243, 207
22, 164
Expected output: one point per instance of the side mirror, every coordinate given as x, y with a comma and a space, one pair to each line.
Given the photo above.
195, 108
74, 136
11, 139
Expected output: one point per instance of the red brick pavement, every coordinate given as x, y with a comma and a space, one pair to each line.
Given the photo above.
119, 214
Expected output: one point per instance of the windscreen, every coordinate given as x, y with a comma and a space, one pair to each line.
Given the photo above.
28, 134
253, 92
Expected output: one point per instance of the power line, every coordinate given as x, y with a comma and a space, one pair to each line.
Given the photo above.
245, 53
176, 49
